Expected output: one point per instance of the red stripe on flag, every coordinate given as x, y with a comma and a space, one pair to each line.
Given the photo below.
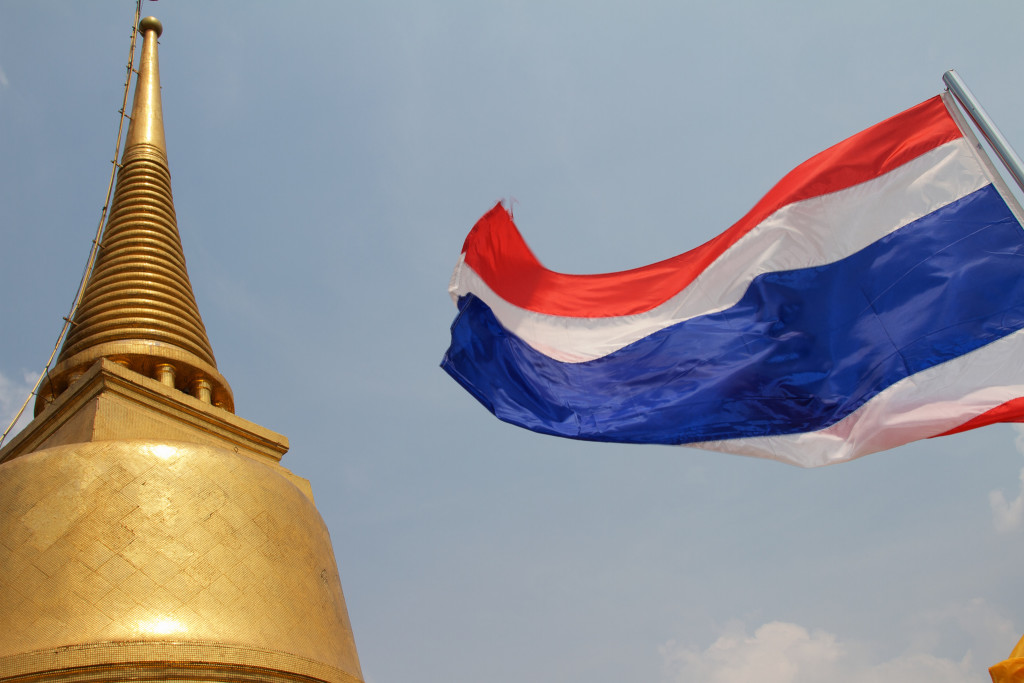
1011, 411
496, 251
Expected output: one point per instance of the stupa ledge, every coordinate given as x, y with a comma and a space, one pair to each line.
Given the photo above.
110, 401
149, 532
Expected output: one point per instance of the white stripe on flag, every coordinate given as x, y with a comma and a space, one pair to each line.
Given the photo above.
923, 405
808, 233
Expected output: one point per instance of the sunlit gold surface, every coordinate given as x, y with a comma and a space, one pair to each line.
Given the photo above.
138, 307
115, 541
113, 402
147, 126
177, 661
146, 532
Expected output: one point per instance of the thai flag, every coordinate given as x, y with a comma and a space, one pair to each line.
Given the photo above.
873, 297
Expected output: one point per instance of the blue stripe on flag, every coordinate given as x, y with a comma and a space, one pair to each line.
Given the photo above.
800, 351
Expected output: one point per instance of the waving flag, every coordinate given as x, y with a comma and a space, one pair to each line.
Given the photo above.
873, 297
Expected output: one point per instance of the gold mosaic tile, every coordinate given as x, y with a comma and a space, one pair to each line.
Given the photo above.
147, 533
181, 661
142, 542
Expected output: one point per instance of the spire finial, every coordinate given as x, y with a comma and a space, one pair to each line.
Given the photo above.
151, 24
147, 126
138, 308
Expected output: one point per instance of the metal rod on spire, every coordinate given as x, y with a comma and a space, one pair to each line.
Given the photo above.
985, 124
45, 374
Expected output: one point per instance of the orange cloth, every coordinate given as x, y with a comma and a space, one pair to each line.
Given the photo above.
1011, 669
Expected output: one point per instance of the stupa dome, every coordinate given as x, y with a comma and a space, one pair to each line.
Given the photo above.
152, 547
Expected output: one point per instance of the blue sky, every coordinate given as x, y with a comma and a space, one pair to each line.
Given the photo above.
327, 161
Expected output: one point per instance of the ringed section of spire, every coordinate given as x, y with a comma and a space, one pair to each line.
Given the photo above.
138, 308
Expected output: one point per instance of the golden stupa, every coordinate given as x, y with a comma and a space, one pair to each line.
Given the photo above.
146, 532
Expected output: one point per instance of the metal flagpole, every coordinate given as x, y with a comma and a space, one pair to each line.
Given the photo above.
1004, 670
981, 119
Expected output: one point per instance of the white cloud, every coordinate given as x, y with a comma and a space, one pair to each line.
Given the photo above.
777, 653
1008, 516
12, 395
780, 652
3, 78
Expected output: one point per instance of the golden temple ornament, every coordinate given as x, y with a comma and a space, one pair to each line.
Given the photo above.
138, 307
147, 532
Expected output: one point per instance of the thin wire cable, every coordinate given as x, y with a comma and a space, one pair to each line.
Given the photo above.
99, 230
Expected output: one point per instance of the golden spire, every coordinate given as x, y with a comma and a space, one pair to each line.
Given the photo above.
138, 308
145, 533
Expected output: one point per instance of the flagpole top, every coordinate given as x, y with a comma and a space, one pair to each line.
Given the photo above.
151, 24
981, 119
